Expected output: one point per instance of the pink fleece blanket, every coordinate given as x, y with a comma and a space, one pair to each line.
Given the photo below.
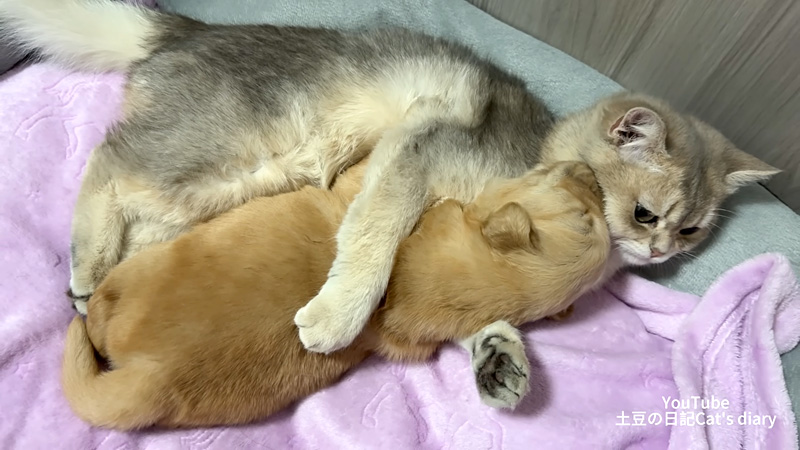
629, 362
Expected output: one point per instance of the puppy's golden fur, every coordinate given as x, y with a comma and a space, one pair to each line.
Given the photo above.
198, 331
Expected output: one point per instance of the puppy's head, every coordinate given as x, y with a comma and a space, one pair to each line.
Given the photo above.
564, 180
561, 199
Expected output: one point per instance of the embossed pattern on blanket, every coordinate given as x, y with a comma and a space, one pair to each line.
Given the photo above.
607, 359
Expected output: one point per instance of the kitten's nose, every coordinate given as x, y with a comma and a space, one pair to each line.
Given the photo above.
655, 253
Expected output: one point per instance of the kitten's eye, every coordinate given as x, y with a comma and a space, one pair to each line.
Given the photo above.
643, 215
689, 231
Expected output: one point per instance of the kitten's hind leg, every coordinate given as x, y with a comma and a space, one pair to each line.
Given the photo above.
500, 364
98, 230
392, 199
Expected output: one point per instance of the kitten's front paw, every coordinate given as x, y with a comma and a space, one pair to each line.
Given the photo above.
79, 302
501, 369
325, 324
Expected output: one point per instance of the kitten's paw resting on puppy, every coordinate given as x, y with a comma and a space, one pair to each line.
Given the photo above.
332, 319
79, 302
501, 366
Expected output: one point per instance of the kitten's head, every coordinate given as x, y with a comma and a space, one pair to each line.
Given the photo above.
663, 175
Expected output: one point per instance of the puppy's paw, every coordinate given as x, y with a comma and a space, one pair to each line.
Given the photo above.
501, 368
329, 322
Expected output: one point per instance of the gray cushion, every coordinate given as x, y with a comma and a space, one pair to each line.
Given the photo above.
758, 222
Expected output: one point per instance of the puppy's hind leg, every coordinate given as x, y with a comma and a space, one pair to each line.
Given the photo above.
98, 231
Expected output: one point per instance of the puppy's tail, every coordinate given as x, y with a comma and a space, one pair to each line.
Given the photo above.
122, 399
85, 34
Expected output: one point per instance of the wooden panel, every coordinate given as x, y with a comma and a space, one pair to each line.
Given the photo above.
733, 63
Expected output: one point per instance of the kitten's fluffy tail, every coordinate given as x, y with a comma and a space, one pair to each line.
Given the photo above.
84, 34
122, 399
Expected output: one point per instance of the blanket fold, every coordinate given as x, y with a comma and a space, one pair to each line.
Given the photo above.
729, 348
726, 354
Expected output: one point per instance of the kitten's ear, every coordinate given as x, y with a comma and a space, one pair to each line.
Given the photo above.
744, 169
509, 228
639, 135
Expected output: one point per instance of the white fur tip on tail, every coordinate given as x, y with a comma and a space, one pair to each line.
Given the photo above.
85, 34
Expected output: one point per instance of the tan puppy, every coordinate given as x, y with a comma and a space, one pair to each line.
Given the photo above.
199, 332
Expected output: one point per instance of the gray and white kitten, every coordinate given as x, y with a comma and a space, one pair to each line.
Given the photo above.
215, 115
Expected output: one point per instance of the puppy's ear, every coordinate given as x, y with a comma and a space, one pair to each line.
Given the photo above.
509, 228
